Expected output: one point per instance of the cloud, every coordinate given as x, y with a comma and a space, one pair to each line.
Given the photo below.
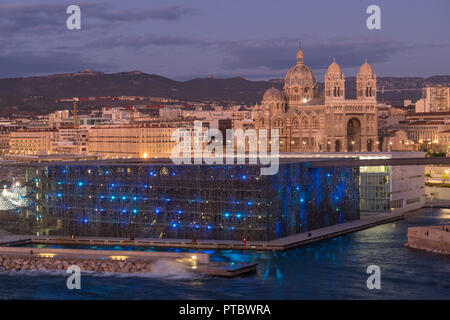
143, 40
39, 17
174, 12
45, 17
272, 55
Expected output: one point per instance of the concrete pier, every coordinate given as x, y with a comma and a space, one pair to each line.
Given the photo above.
280, 244
26, 258
202, 258
431, 238
14, 256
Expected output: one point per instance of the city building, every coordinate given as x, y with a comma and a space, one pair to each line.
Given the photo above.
6, 127
389, 116
437, 179
32, 141
426, 134
310, 122
132, 141
383, 188
157, 199
444, 139
434, 99
397, 140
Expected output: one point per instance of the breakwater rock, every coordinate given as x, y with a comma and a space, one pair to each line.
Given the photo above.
17, 263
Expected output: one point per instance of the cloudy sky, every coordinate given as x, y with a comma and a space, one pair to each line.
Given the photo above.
255, 39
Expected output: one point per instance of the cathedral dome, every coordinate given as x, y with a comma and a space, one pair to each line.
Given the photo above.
300, 74
273, 94
366, 68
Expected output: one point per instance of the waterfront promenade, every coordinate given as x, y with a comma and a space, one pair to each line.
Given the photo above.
285, 243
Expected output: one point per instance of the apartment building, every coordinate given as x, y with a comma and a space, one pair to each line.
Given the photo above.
132, 141
434, 99
32, 141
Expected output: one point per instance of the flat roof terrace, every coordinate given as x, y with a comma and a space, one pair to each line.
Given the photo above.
314, 162
160, 161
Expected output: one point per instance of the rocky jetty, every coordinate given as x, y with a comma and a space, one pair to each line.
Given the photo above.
17, 263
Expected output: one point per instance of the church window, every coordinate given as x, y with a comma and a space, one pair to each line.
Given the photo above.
315, 123
304, 123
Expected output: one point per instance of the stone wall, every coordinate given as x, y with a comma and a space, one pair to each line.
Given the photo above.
16, 263
435, 238
437, 192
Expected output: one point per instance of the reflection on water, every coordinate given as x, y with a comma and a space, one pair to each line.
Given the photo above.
331, 269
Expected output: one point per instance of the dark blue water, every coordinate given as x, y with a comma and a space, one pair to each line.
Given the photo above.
332, 269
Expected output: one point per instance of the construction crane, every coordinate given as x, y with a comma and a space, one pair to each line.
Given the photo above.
75, 101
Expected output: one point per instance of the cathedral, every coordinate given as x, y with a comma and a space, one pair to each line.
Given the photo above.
309, 122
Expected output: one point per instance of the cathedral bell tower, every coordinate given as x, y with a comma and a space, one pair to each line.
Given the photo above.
334, 83
366, 83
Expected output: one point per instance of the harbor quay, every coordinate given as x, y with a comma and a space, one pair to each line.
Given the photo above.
159, 200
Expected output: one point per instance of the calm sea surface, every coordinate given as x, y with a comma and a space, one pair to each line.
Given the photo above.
331, 269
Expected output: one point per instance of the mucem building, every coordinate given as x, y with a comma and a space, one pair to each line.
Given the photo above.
157, 199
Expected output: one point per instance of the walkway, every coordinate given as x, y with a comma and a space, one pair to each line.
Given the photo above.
277, 244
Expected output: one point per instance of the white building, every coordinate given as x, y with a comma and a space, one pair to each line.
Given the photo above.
384, 188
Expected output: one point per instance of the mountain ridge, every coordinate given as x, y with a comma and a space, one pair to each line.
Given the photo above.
37, 94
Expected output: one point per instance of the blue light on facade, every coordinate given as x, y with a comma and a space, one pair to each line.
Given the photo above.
297, 199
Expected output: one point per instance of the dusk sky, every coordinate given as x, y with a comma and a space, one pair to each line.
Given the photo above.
254, 39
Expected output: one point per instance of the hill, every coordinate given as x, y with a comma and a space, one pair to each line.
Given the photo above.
37, 95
